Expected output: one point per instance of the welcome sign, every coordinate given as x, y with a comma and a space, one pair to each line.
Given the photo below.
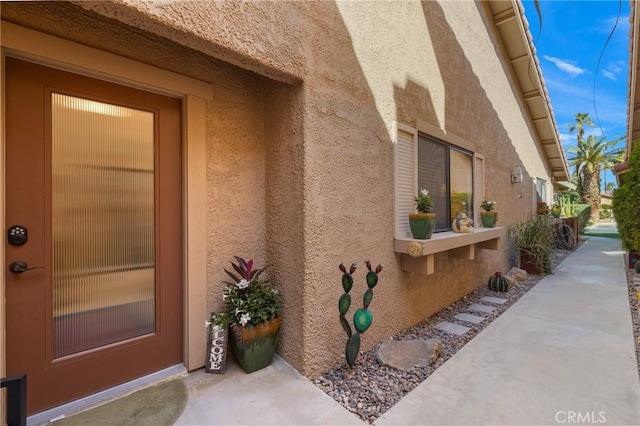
216, 349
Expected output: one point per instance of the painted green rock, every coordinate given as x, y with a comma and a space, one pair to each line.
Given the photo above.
345, 325
344, 303
366, 299
372, 279
347, 282
362, 319
352, 349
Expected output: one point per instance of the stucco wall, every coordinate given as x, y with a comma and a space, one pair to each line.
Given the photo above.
300, 175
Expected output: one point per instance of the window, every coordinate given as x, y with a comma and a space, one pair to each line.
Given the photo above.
447, 173
541, 190
454, 177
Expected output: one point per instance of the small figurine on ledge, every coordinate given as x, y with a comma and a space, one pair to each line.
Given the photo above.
462, 224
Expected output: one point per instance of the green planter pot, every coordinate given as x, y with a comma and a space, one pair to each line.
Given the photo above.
489, 219
254, 346
422, 225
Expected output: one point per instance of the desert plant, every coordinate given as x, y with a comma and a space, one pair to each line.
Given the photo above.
362, 318
498, 282
534, 238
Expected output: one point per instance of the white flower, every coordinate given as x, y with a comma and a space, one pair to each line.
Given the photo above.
216, 328
207, 324
224, 296
243, 284
244, 319
424, 192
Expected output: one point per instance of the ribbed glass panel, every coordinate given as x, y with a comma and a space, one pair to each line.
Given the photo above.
102, 159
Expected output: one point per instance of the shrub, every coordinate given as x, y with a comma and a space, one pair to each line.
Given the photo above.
582, 211
626, 202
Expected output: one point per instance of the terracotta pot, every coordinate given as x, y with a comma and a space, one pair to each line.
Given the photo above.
489, 219
528, 263
254, 346
422, 225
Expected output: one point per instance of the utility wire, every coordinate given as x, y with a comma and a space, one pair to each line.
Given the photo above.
595, 77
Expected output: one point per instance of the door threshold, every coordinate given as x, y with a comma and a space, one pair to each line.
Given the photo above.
96, 399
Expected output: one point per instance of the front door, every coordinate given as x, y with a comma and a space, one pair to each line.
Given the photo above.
94, 233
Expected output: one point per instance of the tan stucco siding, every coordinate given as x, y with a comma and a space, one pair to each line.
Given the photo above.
300, 171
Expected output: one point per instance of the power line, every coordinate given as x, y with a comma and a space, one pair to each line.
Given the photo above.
595, 76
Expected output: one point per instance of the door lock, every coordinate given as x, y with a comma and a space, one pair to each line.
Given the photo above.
17, 235
18, 267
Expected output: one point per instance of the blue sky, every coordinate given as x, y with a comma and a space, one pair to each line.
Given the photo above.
569, 45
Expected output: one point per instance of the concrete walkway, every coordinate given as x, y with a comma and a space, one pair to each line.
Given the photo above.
563, 354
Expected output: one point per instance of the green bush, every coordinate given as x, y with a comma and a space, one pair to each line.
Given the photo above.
606, 206
626, 202
582, 212
604, 214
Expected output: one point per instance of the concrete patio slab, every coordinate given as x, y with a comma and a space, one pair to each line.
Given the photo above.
276, 395
451, 328
469, 318
494, 300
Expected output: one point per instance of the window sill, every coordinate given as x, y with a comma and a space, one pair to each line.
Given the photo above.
418, 255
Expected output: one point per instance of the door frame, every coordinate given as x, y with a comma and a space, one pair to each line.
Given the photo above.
44, 49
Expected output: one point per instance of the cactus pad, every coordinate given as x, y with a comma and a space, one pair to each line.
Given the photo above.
347, 282
366, 299
372, 279
344, 303
345, 325
362, 319
352, 349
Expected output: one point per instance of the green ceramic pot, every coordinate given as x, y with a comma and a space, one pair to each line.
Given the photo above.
422, 225
254, 346
489, 219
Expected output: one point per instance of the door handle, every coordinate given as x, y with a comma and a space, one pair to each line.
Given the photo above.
18, 267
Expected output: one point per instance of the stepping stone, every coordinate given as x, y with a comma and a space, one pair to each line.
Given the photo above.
451, 328
407, 354
469, 318
495, 300
481, 308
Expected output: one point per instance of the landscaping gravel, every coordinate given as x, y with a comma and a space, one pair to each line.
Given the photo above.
633, 281
368, 389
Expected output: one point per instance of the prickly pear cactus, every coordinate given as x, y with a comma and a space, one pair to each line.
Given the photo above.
498, 283
362, 318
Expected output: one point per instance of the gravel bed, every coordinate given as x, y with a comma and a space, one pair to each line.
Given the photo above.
369, 390
634, 290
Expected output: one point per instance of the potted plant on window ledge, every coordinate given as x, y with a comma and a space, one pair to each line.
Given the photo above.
488, 217
422, 223
252, 309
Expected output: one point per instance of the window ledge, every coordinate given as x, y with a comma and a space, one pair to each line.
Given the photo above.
418, 255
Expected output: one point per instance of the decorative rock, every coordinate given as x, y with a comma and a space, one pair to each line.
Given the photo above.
512, 281
407, 354
518, 274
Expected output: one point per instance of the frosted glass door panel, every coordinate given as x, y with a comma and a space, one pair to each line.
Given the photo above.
102, 167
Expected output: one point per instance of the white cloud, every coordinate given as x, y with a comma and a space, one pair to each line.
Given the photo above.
609, 75
566, 66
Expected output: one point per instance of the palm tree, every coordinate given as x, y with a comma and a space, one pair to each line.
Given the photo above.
589, 158
582, 119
